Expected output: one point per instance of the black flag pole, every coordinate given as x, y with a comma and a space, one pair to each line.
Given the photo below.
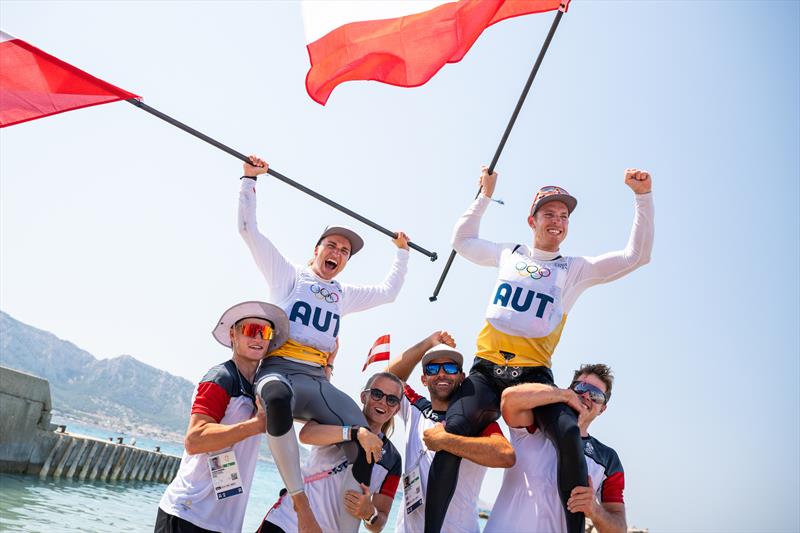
278, 175
512, 120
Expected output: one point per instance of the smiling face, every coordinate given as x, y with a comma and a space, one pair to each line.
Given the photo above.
378, 411
249, 348
595, 409
331, 256
442, 386
550, 225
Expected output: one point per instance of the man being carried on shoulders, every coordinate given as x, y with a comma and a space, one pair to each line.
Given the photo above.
442, 374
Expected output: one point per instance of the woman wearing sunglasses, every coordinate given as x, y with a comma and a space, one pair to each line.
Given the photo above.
602, 500
327, 466
294, 380
535, 290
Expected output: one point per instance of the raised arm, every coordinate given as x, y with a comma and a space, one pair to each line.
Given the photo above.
361, 297
465, 234
518, 402
588, 271
403, 366
490, 449
278, 272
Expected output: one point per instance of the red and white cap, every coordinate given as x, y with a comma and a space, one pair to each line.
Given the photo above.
551, 193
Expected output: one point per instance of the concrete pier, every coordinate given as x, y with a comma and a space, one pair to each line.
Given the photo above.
30, 444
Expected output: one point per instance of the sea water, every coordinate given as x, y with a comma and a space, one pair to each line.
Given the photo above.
30, 504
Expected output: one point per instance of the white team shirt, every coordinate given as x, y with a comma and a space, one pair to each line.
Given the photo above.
314, 305
191, 494
582, 272
462, 515
324, 477
529, 501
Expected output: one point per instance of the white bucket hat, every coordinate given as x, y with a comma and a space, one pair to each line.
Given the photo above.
253, 309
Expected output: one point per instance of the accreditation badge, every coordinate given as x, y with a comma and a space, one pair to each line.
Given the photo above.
225, 474
412, 490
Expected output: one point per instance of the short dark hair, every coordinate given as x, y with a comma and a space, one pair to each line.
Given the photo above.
603, 372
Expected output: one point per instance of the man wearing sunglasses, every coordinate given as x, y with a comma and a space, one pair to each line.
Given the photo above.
532, 483
212, 486
442, 375
294, 381
535, 290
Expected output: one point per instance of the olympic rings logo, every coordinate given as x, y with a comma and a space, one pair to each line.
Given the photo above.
535, 272
324, 294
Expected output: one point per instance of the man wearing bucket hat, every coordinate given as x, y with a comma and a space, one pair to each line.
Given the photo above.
535, 290
442, 375
294, 380
212, 486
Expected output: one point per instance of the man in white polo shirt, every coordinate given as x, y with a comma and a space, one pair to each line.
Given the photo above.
212, 486
532, 483
442, 374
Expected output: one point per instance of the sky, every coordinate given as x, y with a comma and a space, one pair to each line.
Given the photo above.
118, 231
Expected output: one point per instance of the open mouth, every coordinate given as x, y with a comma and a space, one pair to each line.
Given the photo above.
330, 264
380, 411
255, 346
553, 231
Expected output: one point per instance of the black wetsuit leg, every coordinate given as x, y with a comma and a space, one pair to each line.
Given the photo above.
474, 406
560, 423
311, 397
269, 527
277, 396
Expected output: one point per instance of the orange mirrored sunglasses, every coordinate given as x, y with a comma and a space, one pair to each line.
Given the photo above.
253, 330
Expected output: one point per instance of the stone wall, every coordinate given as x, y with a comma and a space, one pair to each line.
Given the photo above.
30, 444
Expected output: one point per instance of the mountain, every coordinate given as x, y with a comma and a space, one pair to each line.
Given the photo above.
120, 393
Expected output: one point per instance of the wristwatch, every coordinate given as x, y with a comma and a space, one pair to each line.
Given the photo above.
371, 520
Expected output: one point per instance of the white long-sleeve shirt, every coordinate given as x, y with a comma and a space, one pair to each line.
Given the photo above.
536, 289
314, 305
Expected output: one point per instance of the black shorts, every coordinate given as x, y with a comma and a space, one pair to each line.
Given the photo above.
167, 523
476, 403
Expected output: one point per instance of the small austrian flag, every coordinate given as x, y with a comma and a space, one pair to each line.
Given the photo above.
378, 352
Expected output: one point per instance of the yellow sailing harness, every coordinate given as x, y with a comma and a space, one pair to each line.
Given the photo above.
504, 349
295, 350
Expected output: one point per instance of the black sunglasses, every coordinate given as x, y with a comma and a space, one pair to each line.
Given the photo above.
431, 369
596, 395
377, 395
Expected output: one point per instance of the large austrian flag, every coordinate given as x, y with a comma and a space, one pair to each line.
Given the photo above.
402, 43
34, 84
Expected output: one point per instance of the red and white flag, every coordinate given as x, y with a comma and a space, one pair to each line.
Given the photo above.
399, 42
378, 352
34, 84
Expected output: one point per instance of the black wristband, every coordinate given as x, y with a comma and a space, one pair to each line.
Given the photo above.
254, 178
354, 432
